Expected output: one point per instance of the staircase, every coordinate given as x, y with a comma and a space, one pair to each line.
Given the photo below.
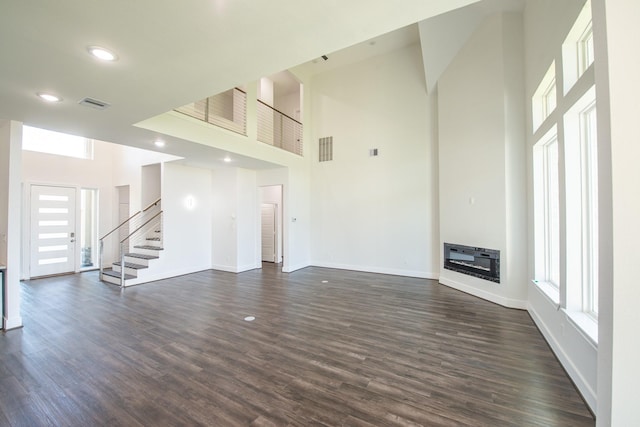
133, 252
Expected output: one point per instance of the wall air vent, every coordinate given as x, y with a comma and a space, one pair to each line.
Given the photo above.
93, 103
325, 149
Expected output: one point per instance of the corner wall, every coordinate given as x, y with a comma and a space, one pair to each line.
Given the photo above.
375, 214
482, 150
234, 220
11, 208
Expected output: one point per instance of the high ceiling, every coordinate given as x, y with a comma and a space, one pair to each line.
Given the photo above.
170, 53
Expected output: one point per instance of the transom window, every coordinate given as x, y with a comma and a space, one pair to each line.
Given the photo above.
61, 144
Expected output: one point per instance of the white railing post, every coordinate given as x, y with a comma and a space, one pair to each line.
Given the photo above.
100, 261
122, 252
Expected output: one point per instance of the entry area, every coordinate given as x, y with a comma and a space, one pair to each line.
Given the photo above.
62, 230
53, 225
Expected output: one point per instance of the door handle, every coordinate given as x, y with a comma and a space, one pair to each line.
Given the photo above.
73, 240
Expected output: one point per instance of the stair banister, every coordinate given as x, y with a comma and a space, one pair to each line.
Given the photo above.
155, 203
121, 224
138, 229
131, 222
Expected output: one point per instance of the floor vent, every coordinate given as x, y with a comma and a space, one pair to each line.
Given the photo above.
325, 149
93, 103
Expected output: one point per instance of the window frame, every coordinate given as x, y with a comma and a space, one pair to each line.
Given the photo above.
546, 206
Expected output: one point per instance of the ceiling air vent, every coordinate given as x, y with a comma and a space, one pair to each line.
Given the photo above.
93, 103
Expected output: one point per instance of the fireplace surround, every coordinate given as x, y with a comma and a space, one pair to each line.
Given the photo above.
478, 262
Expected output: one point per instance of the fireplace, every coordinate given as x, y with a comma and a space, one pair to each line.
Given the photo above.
478, 262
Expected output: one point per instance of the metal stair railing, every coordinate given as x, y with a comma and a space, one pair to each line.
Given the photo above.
138, 236
121, 235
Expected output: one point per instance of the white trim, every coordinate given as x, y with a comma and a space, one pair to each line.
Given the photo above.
585, 324
379, 270
291, 269
549, 291
12, 323
489, 296
587, 392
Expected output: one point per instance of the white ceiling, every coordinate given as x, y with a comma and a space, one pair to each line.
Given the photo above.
172, 53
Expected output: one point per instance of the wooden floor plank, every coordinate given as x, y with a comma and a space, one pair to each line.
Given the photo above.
327, 347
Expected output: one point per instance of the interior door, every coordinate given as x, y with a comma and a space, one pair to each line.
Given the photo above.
268, 221
53, 227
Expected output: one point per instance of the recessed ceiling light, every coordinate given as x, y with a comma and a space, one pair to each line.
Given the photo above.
49, 97
159, 143
227, 159
102, 53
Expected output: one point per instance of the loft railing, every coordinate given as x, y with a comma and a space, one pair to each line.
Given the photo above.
132, 232
227, 110
277, 129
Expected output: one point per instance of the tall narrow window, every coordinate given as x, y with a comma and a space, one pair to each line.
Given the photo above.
547, 211
581, 172
589, 160
88, 228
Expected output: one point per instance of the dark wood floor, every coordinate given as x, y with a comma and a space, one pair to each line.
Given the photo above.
358, 350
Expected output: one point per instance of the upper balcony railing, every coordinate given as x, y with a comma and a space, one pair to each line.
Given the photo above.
227, 110
277, 129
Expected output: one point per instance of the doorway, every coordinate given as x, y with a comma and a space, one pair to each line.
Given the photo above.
268, 213
271, 223
53, 228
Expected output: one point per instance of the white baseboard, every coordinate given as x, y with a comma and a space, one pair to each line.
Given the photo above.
489, 296
12, 323
587, 392
291, 269
150, 276
379, 270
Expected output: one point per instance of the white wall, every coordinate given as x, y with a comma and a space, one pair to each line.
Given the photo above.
235, 220
547, 23
151, 184
126, 169
10, 203
289, 104
186, 228
481, 148
375, 213
617, 70
224, 240
248, 220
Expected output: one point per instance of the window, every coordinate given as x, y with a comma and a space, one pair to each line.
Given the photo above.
547, 212
581, 171
61, 144
577, 49
544, 99
585, 50
589, 159
88, 228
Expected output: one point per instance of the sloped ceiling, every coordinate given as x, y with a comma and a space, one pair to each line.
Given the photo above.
170, 53
442, 36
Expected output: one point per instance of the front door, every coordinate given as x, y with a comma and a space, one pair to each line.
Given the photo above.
53, 227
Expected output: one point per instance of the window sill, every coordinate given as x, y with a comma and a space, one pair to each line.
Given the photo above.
585, 323
551, 292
